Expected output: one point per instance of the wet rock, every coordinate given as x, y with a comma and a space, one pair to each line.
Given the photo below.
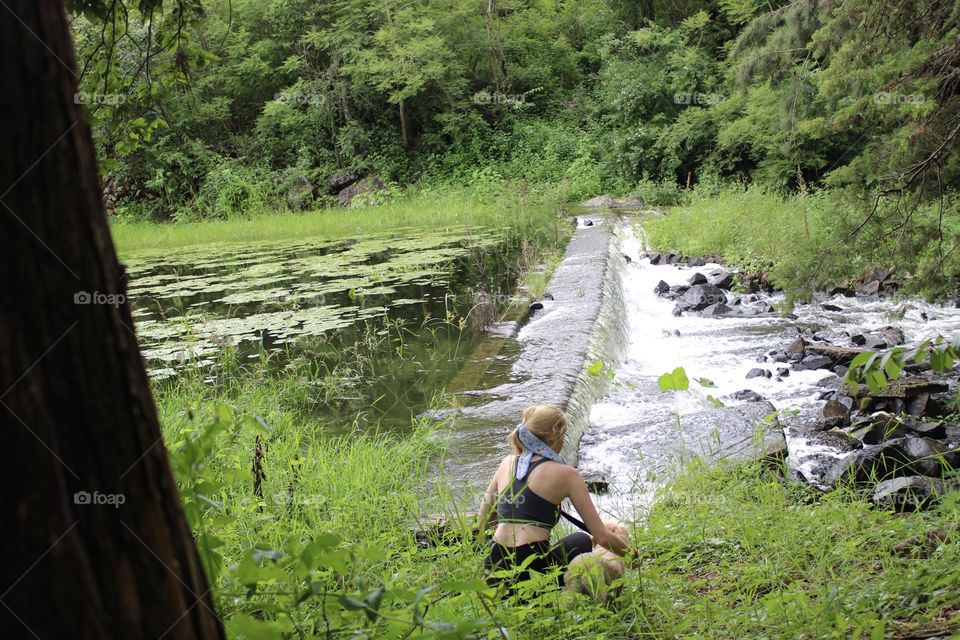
677, 311
661, 288
758, 373
701, 296
696, 262
901, 389
834, 413
846, 292
630, 202
797, 347
697, 278
300, 193
764, 307
599, 202
340, 180
830, 307
910, 493
596, 483
882, 338
836, 440
536, 306
627, 258
840, 370
548, 296
929, 457
655, 258
746, 395
716, 310
830, 382
783, 372
813, 361
839, 355
721, 279
868, 289
366, 186
587, 222
894, 458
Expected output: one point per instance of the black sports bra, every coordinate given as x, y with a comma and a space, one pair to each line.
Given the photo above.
518, 504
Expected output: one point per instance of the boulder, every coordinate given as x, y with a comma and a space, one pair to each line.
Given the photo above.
813, 361
599, 202
868, 289
661, 288
797, 347
337, 182
716, 311
894, 458
697, 278
839, 355
846, 292
836, 440
910, 493
830, 307
300, 193
834, 413
701, 296
367, 185
721, 279
758, 373
746, 395
882, 338
696, 262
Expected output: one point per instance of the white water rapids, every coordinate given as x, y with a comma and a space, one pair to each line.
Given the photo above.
629, 426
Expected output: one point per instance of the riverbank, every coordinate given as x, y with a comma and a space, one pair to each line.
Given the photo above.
513, 207
301, 530
811, 241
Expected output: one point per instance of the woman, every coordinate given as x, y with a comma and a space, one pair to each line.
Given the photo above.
528, 488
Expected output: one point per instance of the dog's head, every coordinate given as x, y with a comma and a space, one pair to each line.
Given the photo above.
615, 527
592, 574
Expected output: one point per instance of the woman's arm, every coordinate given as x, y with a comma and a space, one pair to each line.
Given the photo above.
580, 497
487, 513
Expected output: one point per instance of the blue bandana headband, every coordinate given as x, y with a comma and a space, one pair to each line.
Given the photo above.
533, 446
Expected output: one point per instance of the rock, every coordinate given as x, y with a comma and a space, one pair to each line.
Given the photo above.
697, 278
701, 296
679, 289
599, 202
677, 311
929, 457
536, 306
548, 296
630, 202
299, 193
783, 372
876, 274
721, 279
830, 382
894, 458
881, 338
834, 413
758, 373
846, 292
812, 362
796, 347
596, 483
716, 310
340, 180
747, 395
696, 262
627, 258
661, 288
366, 186
836, 440
910, 493
655, 258
868, 289
764, 307
839, 355
587, 222
830, 307
903, 389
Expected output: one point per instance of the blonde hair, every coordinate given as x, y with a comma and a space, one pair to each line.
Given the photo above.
542, 420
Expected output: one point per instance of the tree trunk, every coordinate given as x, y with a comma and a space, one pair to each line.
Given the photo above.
403, 123
95, 542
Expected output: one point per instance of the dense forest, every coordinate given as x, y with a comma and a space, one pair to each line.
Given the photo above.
225, 107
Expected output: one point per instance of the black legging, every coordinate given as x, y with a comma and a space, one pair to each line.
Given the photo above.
559, 555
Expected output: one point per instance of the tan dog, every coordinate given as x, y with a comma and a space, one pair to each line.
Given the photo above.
593, 573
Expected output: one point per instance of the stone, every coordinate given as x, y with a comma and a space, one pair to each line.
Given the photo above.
758, 373
677, 311
904, 389
536, 306
812, 362
894, 458
630, 202
910, 493
836, 440
796, 347
839, 355
299, 193
697, 278
830, 307
701, 296
599, 202
340, 180
661, 288
868, 289
722, 279
834, 412
716, 310
929, 457
746, 395
367, 185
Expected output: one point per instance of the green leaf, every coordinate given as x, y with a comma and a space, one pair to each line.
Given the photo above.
352, 604
715, 402
706, 382
243, 627
676, 380
595, 368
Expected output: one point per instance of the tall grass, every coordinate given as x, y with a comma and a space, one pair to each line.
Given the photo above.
325, 549
814, 240
513, 207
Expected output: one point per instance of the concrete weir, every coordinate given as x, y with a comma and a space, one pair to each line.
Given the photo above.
583, 323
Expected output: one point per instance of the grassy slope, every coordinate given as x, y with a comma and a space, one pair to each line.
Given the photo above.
728, 553
424, 209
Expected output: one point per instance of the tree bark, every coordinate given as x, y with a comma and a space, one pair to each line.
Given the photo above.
403, 124
79, 423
